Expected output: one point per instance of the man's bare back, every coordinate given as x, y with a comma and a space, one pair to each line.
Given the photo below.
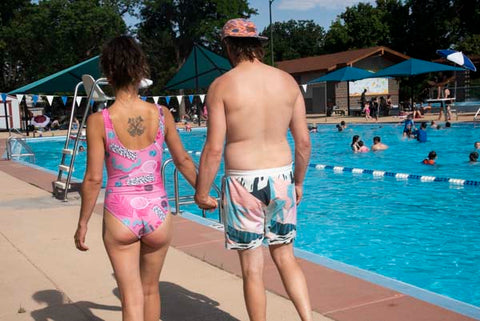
259, 103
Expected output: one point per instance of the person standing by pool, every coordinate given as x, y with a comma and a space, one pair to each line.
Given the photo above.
363, 98
137, 219
260, 191
367, 111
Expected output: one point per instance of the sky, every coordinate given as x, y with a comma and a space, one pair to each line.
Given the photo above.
322, 12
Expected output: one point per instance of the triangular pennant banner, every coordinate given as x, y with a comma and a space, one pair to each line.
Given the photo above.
167, 99
190, 98
35, 99
79, 100
202, 98
20, 98
179, 98
304, 87
64, 100
4, 97
144, 98
155, 99
49, 99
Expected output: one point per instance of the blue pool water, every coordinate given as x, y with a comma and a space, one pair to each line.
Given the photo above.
425, 234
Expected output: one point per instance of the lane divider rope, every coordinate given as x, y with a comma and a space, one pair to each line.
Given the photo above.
379, 173
399, 176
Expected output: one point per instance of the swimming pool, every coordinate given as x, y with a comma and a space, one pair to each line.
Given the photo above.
425, 234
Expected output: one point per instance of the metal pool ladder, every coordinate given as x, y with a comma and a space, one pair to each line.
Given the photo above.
94, 94
187, 199
16, 144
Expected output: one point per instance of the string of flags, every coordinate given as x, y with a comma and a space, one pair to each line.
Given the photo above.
79, 99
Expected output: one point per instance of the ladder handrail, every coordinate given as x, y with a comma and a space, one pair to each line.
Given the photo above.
178, 199
21, 141
80, 128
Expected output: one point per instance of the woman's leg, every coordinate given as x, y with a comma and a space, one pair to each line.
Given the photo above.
251, 262
123, 248
152, 256
292, 278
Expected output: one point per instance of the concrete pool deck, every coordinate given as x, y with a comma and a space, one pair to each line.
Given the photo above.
44, 275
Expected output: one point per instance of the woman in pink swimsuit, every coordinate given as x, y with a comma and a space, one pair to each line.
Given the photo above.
129, 138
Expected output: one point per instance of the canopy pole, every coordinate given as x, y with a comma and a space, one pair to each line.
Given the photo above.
348, 98
196, 81
6, 112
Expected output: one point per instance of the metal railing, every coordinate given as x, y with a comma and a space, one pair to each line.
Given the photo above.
14, 151
186, 199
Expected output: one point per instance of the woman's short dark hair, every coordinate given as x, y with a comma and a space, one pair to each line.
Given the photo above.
123, 62
245, 48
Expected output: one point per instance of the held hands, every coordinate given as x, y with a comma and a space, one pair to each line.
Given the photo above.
80, 238
206, 202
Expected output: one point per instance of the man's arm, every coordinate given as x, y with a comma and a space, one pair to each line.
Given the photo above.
212, 151
301, 137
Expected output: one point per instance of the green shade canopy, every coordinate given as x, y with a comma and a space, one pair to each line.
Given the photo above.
412, 67
344, 74
199, 70
63, 81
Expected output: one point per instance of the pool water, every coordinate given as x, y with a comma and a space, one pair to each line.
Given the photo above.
424, 234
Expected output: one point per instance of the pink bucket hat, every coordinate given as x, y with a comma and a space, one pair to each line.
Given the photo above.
241, 28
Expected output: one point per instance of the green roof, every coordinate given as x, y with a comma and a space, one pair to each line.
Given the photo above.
63, 81
199, 70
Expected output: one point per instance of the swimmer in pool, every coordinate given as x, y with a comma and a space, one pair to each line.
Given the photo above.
432, 156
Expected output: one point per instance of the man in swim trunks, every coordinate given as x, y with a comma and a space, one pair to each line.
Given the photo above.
257, 104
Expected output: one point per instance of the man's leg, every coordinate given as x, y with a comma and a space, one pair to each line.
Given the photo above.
292, 278
253, 288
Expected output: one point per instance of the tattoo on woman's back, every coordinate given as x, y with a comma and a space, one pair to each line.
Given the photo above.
135, 126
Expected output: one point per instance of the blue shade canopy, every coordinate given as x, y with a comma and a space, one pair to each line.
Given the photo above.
199, 70
412, 67
63, 81
457, 57
344, 74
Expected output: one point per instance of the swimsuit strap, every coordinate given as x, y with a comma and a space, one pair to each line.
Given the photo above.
109, 131
106, 119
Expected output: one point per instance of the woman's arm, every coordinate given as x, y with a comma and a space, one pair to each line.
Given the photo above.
181, 158
92, 180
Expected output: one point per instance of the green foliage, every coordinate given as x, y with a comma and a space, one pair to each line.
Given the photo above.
169, 28
470, 44
295, 39
363, 26
49, 36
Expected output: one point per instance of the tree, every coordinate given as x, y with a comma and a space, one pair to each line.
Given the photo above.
431, 26
49, 36
169, 28
295, 39
363, 26
395, 16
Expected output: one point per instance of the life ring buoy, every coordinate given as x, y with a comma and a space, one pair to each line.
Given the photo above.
82, 137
